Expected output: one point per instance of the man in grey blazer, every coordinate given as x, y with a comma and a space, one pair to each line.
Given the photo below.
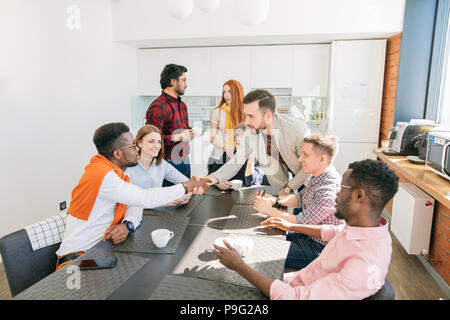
274, 139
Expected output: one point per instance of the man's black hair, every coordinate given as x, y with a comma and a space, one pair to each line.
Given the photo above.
265, 99
106, 138
376, 178
171, 71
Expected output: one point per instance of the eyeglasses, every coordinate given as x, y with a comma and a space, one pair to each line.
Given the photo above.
350, 187
130, 146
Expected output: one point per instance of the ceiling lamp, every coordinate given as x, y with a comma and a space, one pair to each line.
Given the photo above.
207, 5
251, 12
180, 9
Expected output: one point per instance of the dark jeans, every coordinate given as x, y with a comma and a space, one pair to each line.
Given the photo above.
303, 250
181, 165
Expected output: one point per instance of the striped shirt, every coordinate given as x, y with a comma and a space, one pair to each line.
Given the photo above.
317, 200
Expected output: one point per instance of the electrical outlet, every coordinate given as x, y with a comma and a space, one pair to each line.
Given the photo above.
62, 206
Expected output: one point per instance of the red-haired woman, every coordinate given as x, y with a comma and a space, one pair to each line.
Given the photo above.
224, 118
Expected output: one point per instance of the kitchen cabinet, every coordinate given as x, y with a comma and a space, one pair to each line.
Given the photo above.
356, 88
230, 63
310, 70
197, 61
271, 67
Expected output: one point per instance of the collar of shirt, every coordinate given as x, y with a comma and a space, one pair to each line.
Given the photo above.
327, 173
370, 233
139, 165
170, 98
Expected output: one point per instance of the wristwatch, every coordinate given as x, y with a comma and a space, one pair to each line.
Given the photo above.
287, 189
186, 190
129, 224
277, 204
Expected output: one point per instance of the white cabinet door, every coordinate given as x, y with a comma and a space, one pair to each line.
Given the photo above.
351, 152
311, 69
357, 72
197, 61
230, 63
271, 67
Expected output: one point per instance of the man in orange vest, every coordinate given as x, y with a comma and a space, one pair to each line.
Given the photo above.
104, 204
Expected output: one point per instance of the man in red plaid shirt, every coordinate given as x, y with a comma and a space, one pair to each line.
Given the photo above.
169, 114
316, 200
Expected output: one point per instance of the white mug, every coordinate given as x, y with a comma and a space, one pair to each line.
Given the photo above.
219, 242
243, 245
161, 237
236, 184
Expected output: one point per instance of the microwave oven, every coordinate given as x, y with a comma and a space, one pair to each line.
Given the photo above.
438, 153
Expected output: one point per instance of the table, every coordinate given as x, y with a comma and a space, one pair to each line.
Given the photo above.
193, 251
436, 186
192, 255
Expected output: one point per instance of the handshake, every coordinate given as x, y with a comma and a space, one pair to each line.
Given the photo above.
198, 185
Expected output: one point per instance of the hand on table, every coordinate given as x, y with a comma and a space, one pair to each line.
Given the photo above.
116, 233
224, 185
263, 204
180, 201
278, 223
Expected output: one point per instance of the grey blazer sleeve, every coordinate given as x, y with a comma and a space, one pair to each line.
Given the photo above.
231, 168
299, 178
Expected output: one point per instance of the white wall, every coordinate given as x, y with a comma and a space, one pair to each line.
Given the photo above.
148, 23
56, 87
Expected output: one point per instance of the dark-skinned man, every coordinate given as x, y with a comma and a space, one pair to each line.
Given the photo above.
354, 263
104, 204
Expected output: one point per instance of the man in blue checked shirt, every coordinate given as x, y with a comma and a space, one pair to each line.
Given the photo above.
316, 201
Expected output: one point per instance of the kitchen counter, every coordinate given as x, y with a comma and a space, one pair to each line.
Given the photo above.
436, 186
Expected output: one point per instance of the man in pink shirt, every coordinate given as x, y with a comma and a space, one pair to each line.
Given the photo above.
355, 262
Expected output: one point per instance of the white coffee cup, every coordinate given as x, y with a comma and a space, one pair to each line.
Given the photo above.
219, 242
243, 245
161, 237
236, 184
197, 131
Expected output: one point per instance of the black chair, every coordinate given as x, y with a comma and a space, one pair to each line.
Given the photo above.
23, 266
386, 292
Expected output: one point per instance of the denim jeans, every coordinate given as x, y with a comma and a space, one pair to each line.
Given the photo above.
184, 167
303, 250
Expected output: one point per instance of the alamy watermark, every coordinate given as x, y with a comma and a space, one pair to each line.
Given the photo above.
74, 280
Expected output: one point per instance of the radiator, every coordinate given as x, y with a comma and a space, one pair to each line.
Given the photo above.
412, 217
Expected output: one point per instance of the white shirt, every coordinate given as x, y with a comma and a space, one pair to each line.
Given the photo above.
82, 235
155, 175
218, 116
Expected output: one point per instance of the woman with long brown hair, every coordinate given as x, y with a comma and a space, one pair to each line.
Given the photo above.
152, 169
224, 118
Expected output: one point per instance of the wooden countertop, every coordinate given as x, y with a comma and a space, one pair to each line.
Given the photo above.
436, 186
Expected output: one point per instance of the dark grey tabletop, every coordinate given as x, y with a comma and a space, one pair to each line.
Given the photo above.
141, 273
193, 254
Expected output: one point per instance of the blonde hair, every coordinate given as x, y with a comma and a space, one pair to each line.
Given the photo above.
324, 142
145, 130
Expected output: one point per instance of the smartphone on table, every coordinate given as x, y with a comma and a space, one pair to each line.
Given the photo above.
98, 263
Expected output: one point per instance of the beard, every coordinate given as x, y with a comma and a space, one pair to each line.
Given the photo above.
132, 164
338, 214
341, 207
179, 91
